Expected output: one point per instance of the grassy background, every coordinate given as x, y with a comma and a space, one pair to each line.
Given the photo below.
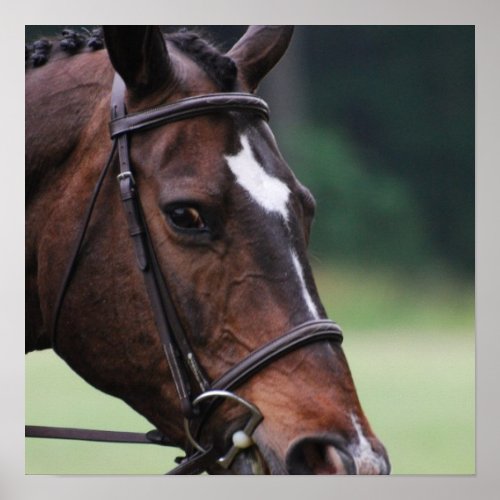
410, 344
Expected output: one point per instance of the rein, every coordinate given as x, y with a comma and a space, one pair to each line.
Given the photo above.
198, 396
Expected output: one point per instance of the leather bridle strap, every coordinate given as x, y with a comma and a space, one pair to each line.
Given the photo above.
172, 336
186, 108
77, 247
196, 463
306, 333
103, 436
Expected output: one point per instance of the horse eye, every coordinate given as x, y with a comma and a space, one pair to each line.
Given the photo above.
186, 218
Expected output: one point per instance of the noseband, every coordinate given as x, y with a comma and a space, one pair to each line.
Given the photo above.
197, 394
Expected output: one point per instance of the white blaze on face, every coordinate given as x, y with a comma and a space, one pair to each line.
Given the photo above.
305, 292
366, 460
272, 195
269, 192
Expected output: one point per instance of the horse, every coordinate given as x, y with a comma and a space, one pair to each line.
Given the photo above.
203, 240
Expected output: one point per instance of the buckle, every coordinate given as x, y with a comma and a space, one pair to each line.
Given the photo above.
126, 175
242, 438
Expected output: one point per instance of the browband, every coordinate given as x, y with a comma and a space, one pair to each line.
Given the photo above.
188, 108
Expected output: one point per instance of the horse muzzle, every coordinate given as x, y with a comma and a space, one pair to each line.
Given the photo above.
331, 454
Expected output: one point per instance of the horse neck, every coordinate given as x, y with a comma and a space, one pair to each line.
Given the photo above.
63, 99
67, 111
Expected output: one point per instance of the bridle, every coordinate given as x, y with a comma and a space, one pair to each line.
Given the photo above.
198, 396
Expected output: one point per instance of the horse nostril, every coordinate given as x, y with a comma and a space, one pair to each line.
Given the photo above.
319, 455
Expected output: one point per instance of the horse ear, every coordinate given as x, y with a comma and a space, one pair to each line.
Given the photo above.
258, 50
139, 55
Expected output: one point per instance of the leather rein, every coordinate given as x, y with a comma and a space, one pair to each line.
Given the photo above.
197, 394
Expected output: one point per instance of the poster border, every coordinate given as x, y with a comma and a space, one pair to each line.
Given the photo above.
485, 16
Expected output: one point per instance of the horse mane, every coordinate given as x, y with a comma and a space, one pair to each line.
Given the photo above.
38, 53
220, 68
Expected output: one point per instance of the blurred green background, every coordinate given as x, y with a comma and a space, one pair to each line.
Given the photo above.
378, 121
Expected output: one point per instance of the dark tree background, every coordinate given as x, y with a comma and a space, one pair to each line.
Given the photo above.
379, 122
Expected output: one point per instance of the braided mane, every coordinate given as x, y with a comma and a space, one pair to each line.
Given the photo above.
218, 67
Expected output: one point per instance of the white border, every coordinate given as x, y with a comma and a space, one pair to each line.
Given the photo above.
482, 13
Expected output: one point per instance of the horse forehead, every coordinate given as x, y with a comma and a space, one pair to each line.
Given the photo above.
203, 159
267, 190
